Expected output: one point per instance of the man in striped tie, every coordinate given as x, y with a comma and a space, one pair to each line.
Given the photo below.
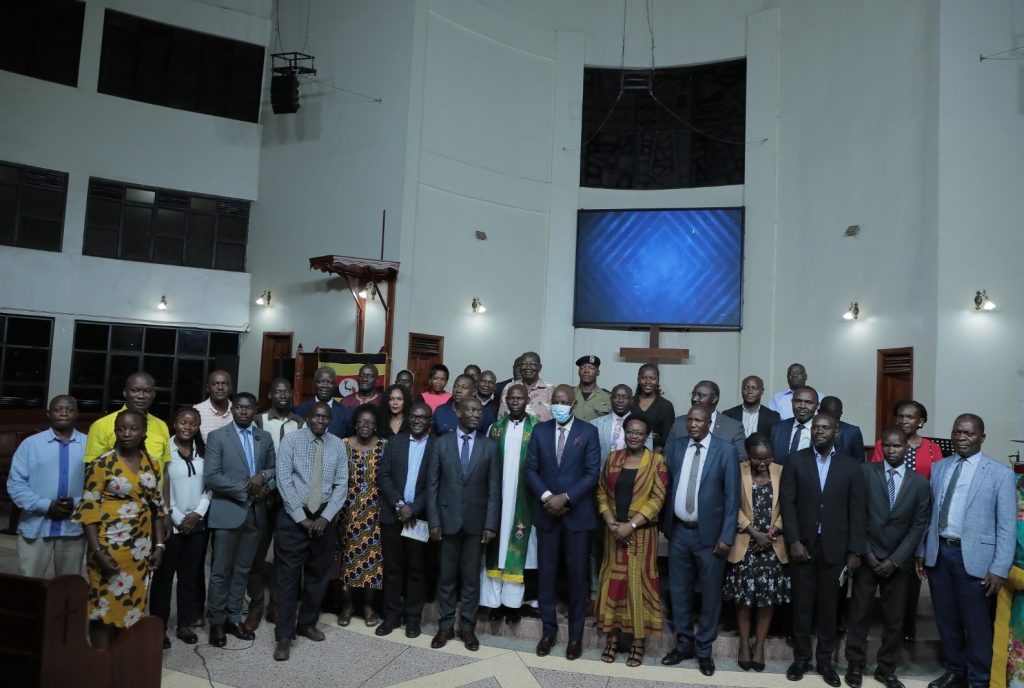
898, 503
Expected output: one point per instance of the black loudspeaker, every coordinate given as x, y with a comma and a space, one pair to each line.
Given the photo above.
284, 93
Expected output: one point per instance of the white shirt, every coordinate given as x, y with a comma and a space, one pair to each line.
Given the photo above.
805, 434
278, 428
750, 420
958, 507
714, 419
684, 479
186, 492
783, 402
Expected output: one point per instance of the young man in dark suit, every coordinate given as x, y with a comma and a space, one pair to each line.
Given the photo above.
325, 383
464, 513
563, 463
239, 463
898, 502
402, 479
822, 502
794, 434
754, 416
699, 520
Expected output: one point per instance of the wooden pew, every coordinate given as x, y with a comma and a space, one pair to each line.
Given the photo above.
43, 639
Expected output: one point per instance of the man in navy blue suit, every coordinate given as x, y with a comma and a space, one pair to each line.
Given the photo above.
563, 461
849, 438
325, 382
699, 520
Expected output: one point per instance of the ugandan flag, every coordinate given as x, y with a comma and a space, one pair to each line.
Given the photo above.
346, 369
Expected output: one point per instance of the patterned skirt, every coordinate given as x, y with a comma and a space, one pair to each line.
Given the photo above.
629, 594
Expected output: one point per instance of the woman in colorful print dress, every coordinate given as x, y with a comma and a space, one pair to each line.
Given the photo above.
359, 542
121, 509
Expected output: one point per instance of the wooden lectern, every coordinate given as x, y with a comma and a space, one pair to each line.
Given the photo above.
43, 639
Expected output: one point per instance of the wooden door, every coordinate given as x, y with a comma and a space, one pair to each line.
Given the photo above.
276, 346
425, 350
895, 383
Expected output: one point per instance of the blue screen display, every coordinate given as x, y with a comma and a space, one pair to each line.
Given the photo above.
674, 268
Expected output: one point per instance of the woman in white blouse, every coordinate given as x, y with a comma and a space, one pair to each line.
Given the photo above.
187, 502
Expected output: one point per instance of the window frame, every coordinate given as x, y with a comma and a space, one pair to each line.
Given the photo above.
58, 182
4, 347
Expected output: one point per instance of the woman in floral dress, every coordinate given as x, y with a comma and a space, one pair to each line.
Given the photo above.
120, 510
359, 543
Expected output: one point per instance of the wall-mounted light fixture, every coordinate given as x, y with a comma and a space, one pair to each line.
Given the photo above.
264, 299
163, 303
369, 291
982, 302
853, 312
478, 306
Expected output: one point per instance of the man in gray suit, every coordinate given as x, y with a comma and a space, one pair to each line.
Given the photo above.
464, 513
967, 552
238, 470
898, 503
705, 393
610, 432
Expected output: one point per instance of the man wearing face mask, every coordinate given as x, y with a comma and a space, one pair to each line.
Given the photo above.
563, 461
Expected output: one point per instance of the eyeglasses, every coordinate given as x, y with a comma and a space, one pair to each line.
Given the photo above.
634, 433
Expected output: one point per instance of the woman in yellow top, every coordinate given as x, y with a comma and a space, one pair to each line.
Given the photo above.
121, 509
1008, 644
630, 494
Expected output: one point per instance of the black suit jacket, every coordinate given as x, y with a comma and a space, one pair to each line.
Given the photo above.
471, 504
839, 508
850, 441
766, 418
780, 435
894, 534
392, 474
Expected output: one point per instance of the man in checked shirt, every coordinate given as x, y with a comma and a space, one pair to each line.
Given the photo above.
312, 478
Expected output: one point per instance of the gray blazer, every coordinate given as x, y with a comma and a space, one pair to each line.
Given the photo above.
471, 504
726, 428
989, 536
894, 534
604, 425
226, 471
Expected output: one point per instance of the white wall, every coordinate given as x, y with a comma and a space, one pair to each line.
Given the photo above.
84, 133
979, 364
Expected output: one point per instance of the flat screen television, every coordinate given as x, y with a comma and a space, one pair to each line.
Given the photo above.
679, 268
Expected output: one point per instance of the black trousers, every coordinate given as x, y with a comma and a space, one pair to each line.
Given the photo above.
185, 558
403, 567
893, 592
460, 555
301, 560
815, 599
262, 574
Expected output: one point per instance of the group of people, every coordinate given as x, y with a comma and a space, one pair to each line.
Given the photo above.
512, 489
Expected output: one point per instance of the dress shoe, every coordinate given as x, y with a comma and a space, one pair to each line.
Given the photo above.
217, 637
514, 616
240, 632
311, 632
949, 680
494, 615
796, 670
544, 646
187, 637
889, 680
676, 656
252, 619
573, 650
829, 674
706, 665
470, 640
442, 637
412, 629
385, 628
282, 650
854, 676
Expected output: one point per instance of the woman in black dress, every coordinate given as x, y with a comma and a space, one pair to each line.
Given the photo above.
656, 407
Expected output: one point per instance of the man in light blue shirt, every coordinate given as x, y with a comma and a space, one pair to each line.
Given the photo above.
47, 474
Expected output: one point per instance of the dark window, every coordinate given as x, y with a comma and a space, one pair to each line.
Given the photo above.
178, 359
175, 67
691, 136
32, 206
24, 361
42, 38
164, 226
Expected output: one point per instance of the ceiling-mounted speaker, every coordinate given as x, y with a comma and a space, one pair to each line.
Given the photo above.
284, 93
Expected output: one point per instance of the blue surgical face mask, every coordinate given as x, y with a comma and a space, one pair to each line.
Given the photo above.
561, 412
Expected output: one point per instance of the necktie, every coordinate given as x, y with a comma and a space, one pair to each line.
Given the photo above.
947, 500
464, 456
247, 445
795, 444
691, 485
891, 486
617, 442
316, 478
561, 446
